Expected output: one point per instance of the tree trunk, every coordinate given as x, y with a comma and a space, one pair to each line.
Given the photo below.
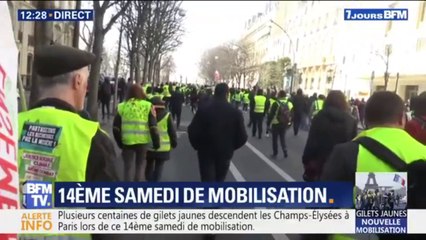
43, 35
132, 64
117, 67
145, 68
154, 71
159, 69
92, 103
76, 34
22, 96
138, 69
150, 68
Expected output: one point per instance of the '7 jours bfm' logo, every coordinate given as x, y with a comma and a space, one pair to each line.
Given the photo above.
37, 195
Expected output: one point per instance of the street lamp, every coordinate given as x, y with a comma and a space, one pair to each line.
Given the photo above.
294, 67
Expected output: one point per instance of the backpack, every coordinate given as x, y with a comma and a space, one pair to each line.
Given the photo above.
283, 113
416, 171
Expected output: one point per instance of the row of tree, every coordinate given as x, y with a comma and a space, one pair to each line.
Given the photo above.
236, 63
151, 30
272, 73
233, 61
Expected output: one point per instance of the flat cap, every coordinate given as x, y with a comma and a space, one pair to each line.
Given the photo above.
55, 60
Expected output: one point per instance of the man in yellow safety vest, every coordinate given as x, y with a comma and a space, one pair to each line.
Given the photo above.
385, 118
77, 149
260, 106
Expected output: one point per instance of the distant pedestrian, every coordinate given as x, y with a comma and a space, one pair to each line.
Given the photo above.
176, 101
299, 111
261, 104
280, 117
105, 97
168, 141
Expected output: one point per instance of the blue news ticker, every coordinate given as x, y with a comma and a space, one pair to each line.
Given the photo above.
55, 15
215, 195
381, 222
375, 14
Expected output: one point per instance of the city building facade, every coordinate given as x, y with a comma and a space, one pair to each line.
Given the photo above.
62, 32
351, 56
407, 43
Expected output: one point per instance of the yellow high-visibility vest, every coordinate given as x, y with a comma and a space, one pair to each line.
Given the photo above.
162, 127
259, 106
54, 146
134, 121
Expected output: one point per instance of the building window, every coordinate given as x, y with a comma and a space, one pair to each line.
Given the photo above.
318, 24
29, 64
421, 44
30, 40
319, 83
326, 21
422, 12
297, 45
20, 36
336, 17
389, 27
312, 83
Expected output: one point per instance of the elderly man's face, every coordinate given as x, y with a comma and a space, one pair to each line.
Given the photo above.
80, 83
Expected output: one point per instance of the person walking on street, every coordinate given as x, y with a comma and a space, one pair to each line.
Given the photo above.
81, 151
260, 106
193, 97
252, 94
416, 127
134, 127
385, 120
246, 100
299, 110
121, 89
216, 131
279, 117
168, 141
105, 96
176, 101
332, 125
317, 105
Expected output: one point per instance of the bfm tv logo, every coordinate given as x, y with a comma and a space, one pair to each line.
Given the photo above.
37, 195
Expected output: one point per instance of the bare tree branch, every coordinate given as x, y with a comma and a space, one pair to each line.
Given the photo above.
116, 16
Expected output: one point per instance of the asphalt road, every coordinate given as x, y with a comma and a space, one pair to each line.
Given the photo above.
250, 163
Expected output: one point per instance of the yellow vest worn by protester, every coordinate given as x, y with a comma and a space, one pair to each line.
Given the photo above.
271, 102
164, 135
166, 91
161, 96
54, 146
149, 96
134, 121
146, 87
246, 99
259, 102
396, 140
318, 105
